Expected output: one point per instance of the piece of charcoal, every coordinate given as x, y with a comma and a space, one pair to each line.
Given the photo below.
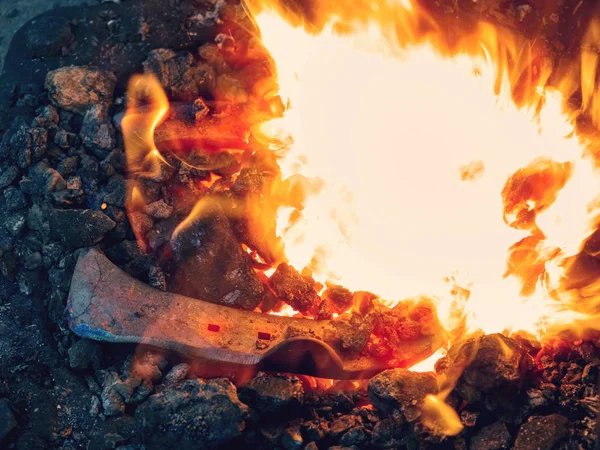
492, 366
159, 209
224, 164
401, 390
9, 175
15, 223
354, 436
338, 297
542, 432
28, 145
68, 166
387, 434
271, 395
296, 290
46, 179
79, 228
15, 199
291, 439
182, 78
211, 265
492, 437
76, 88
43, 44
193, 411
342, 424
84, 353
47, 117
7, 419
63, 138
96, 129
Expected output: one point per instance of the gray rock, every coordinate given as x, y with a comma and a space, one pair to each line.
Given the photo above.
8, 176
96, 129
77, 88
542, 432
272, 394
15, 199
79, 228
7, 419
84, 353
193, 414
401, 390
492, 437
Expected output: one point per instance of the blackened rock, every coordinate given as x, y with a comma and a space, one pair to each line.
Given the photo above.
15, 199
387, 433
193, 414
77, 88
83, 354
211, 264
338, 297
32, 260
542, 432
315, 430
491, 365
291, 439
311, 446
159, 209
96, 129
272, 394
8, 176
47, 118
31, 441
354, 436
15, 223
79, 228
42, 43
63, 138
68, 165
402, 390
7, 419
341, 424
492, 437
293, 288
28, 145
181, 76
177, 373
46, 179
114, 193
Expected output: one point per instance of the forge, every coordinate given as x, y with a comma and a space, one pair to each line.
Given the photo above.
269, 224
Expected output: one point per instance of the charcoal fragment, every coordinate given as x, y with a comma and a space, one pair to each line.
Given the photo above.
211, 264
79, 228
47, 118
63, 138
495, 368
402, 390
8, 176
296, 290
15, 199
182, 78
338, 297
177, 373
76, 88
96, 129
354, 436
492, 437
46, 179
159, 209
315, 430
68, 166
7, 419
272, 394
84, 353
15, 223
342, 424
542, 432
291, 439
28, 145
387, 433
193, 411
43, 44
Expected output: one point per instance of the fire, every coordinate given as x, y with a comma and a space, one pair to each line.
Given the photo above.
412, 163
439, 172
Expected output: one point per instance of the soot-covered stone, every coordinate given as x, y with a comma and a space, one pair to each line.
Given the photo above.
492, 437
211, 265
7, 419
43, 43
180, 75
401, 390
193, 414
76, 88
493, 368
79, 228
272, 394
293, 288
542, 432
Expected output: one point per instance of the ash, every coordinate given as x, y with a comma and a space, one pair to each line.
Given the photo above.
62, 180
